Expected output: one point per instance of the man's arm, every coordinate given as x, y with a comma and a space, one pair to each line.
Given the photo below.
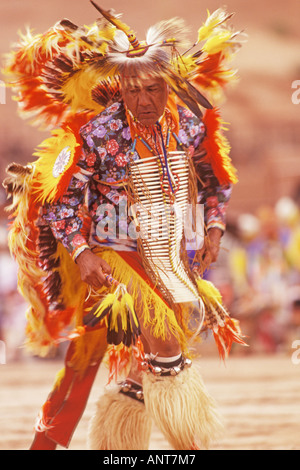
210, 251
93, 270
66, 221
213, 195
215, 198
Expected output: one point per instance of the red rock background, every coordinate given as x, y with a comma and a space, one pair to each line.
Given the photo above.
264, 123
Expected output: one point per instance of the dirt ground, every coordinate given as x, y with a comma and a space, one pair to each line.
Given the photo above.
257, 395
263, 120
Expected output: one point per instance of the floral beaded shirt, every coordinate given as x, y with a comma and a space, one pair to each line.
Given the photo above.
99, 184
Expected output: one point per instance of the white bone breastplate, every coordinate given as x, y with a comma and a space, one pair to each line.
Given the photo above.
160, 219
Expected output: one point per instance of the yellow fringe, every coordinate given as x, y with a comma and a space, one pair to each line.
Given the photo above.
93, 345
73, 289
58, 378
127, 300
147, 300
89, 349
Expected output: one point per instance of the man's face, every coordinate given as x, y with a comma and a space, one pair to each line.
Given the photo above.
146, 99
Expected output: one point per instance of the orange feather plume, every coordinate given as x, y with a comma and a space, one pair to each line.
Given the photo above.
217, 148
226, 335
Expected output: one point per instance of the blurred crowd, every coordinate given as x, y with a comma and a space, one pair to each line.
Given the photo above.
258, 274
12, 305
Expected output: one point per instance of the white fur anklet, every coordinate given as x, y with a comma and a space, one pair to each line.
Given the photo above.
182, 409
119, 423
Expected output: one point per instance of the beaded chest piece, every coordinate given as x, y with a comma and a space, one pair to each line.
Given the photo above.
160, 190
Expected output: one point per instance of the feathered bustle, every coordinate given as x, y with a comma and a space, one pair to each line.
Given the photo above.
217, 148
225, 329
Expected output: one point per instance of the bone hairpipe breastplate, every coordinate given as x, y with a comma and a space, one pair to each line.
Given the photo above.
159, 215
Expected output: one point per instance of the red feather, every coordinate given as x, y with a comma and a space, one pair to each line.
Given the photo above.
217, 148
226, 335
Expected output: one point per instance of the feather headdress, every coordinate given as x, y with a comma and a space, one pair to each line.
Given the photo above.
156, 56
60, 74
159, 55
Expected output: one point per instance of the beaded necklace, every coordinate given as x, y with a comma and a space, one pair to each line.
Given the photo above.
169, 181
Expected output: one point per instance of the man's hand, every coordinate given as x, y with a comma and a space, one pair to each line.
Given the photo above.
93, 269
210, 251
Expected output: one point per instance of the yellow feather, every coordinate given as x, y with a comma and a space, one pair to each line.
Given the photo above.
77, 90
185, 65
115, 312
208, 292
94, 33
106, 302
127, 299
144, 298
218, 43
213, 20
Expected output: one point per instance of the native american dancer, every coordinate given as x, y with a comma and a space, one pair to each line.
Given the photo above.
98, 222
